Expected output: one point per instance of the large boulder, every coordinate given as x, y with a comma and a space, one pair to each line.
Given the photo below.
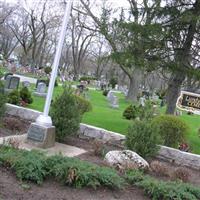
125, 159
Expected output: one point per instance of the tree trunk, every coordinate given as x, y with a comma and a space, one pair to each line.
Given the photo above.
173, 91
134, 86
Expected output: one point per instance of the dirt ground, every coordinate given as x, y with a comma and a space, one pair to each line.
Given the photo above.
11, 189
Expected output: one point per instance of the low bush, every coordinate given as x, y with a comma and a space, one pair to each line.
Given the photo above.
79, 173
35, 166
172, 129
105, 92
141, 112
99, 147
47, 70
181, 173
30, 166
65, 114
166, 190
83, 104
159, 168
113, 81
143, 138
25, 95
131, 112
14, 97
146, 112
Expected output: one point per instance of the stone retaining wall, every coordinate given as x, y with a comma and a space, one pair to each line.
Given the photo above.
85, 130
179, 157
166, 153
21, 112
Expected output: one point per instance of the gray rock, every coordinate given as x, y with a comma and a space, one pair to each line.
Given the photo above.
125, 160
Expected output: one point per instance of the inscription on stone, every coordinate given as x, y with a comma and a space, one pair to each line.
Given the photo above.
189, 101
36, 133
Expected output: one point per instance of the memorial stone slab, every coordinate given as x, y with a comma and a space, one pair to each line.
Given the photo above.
39, 81
12, 83
26, 84
41, 90
41, 136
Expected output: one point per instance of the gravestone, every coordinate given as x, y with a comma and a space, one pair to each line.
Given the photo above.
113, 100
41, 90
110, 95
12, 83
39, 81
98, 85
8, 74
155, 97
41, 136
142, 101
124, 90
26, 84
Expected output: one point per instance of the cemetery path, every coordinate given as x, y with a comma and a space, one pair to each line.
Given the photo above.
25, 78
11, 189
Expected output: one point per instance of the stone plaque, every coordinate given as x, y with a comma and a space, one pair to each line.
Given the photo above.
189, 101
12, 82
41, 136
41, 88
36, 133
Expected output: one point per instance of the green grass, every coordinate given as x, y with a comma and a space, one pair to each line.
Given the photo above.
103, 116
193, 138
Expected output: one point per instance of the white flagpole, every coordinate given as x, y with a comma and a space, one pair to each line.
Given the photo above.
44, 119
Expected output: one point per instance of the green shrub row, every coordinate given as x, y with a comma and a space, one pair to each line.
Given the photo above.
165, 190
143, 136
35, 166
22, 97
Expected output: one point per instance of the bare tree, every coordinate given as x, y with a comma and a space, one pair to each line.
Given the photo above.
7, 40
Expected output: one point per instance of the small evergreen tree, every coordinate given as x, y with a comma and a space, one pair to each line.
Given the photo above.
65, 114
26, 95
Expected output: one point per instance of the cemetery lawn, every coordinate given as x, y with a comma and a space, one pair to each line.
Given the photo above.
111, 119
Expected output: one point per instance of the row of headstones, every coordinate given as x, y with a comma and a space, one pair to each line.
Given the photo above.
12, 83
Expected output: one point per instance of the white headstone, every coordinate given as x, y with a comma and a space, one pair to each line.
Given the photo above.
142, 101
26, 84
113, 100
41, 88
